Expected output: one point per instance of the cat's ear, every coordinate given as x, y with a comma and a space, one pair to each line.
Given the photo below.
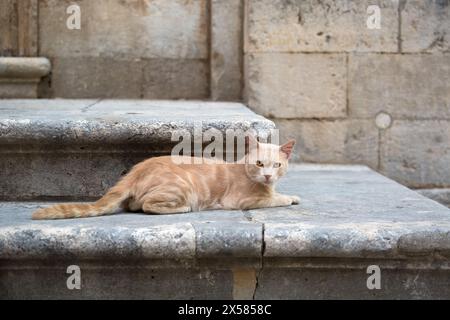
287, 148
250, 142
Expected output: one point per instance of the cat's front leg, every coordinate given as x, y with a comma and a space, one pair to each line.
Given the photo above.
294, 199
280, 200
275, 200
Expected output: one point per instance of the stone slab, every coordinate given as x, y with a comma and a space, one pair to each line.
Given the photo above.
61, 121
127, 236
345, 212
352, 212
320, 26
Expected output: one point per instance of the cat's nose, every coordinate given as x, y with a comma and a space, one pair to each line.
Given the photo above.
267, 176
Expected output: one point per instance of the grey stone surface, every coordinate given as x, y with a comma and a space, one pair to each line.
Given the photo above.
404, 86
95, 77
89, 144
417, 153
318, 26
332, 141
346, 212
106, 77
286, 85
425, 26
232, 238
127, 235
175, 79
441, 195
117, 121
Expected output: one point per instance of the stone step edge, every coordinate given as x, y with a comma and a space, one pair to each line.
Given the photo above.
202, 240
123, 125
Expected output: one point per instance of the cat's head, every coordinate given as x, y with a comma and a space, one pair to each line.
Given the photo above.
265, 162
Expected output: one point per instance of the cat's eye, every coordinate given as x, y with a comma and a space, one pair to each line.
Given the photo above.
277, 164
259, 164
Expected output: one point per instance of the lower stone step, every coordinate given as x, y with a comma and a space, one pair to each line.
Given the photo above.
356, 234
76, 149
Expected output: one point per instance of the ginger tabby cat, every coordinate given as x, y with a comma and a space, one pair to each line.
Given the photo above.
161, 186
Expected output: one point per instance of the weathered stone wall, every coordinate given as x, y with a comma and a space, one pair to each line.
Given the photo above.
127, 48
151, 49
350, 93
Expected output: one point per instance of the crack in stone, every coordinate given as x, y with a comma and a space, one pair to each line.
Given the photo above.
86, 108
263, 251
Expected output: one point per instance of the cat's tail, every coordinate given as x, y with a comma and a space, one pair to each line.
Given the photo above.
110, 203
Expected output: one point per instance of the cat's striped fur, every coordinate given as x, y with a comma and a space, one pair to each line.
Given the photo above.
161, 186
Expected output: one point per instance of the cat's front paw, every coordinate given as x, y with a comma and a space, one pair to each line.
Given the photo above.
295, 200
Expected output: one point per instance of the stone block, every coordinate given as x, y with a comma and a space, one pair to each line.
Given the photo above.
89, 77
417, 153
282, 85
115, 281
396, 282
125, 28
425, 26
339, 141
175, 79
404, 86
318, 26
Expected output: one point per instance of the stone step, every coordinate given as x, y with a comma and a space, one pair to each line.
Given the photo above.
76, 149
350, 218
